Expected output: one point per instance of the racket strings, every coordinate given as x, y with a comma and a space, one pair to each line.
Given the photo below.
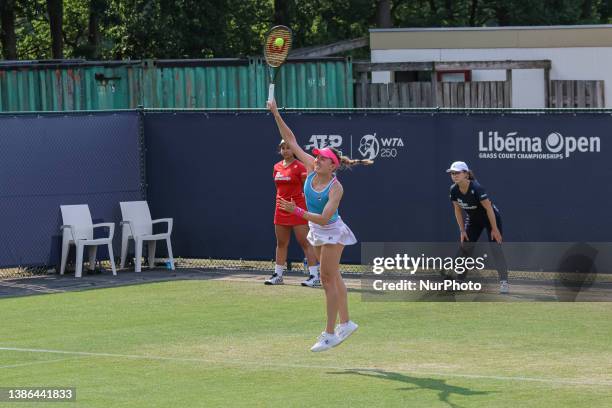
273, 54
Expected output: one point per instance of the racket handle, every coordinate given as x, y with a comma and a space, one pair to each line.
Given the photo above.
271, 93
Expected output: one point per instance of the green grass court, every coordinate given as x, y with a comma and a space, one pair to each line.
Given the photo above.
223, 343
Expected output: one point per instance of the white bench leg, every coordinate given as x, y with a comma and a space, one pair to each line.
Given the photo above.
170, 252
138, 250
65, 250
93, 250
124, 249
78, 270
151, 250
112, 259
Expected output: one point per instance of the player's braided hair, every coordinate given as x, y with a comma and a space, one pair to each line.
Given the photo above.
347, 163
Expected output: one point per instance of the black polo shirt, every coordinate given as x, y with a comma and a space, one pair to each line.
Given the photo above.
470, 202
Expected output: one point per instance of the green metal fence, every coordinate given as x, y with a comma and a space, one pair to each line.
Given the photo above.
211, 83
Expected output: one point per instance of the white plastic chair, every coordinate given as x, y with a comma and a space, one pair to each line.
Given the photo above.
138, 225
78, 230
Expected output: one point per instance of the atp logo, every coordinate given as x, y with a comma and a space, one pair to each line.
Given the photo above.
321, 141
369, 147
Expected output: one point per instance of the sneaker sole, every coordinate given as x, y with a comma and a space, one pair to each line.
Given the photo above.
329, 348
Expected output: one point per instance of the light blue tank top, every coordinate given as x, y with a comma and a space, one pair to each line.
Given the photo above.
317, 200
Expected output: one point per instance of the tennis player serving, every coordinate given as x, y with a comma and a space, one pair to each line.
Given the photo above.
328, 233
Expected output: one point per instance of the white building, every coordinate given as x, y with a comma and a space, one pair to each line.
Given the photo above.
576, 53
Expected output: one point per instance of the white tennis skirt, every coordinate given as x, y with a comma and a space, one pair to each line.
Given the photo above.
336, 233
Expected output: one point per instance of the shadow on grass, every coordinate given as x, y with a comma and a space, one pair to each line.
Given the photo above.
444, 390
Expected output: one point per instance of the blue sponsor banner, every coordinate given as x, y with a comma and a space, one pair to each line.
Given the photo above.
49, 160
547, 173
212, 172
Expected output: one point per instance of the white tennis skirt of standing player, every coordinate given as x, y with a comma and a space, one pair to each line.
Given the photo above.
335, 233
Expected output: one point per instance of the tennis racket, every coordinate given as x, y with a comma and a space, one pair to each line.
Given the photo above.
276, 48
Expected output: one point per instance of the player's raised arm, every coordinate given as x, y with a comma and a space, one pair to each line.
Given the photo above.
289, 137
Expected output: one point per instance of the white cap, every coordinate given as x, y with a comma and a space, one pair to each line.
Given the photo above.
458, 166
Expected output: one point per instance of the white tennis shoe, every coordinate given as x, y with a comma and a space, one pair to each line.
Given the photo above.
325, 341
344, 330
312, 281
275, 279
504, 288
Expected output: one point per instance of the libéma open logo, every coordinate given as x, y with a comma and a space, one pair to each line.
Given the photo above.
492, 145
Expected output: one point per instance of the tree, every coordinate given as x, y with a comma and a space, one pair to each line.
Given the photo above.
282, 12
135, 29
96, 12
605, 11
450, 13
383, 14
188, 28
473, 13
8, 39
55, 9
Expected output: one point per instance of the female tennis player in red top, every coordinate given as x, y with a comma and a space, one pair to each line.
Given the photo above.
289, 175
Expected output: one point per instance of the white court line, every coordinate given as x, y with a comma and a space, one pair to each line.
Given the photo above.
310, 366
39, 362
34, 288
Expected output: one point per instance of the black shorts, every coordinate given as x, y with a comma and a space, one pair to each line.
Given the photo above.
474, 227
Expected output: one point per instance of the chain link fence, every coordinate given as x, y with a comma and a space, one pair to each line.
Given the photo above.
230, 266
52, 159
48, 148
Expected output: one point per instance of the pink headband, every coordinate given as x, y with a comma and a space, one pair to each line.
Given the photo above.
327, 152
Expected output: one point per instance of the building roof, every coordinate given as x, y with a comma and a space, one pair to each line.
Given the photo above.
492, 37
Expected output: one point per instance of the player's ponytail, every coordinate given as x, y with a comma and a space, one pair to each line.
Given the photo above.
471, 175
347, 163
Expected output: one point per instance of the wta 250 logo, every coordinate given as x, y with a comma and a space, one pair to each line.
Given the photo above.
370, 146
492, 145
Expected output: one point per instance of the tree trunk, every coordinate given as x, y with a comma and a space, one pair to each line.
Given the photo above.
383, 14
502, 15
587, 10
449, 10
281, 12
7, 31
605, 11
96, 8
434, 8
56, 10
473, 11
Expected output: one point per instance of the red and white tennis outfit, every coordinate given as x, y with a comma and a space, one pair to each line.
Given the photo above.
289, 186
